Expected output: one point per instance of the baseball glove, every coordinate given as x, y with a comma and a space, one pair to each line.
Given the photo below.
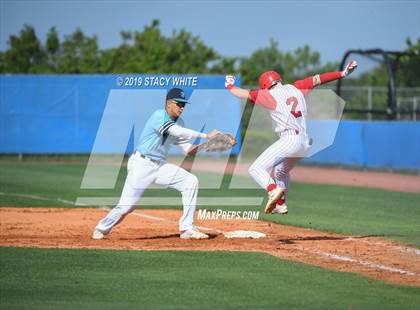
218, 143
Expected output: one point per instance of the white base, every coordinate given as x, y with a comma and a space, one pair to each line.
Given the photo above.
244, 234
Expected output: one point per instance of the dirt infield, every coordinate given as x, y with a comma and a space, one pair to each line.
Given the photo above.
157, 230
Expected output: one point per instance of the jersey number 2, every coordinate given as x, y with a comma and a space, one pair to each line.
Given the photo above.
294, 102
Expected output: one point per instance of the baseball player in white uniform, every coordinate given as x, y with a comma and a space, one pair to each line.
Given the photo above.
287, 107
148, 164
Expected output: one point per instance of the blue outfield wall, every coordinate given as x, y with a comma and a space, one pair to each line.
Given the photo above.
65, 114
375, 144
42, 114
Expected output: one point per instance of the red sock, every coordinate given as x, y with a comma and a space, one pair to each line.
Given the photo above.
271, 186
280, 202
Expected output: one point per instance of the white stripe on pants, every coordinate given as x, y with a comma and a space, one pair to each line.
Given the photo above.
141, 173
282, 173
282, 156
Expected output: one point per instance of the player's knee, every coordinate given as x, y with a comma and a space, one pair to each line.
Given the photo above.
252, 170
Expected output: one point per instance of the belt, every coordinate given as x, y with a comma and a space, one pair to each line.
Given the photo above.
290, 132
295, 132
147, 158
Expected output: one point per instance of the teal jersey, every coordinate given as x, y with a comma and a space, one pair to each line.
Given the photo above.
155, 140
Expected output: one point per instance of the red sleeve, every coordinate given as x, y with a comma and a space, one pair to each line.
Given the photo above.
263, 98
330, 76
305, 86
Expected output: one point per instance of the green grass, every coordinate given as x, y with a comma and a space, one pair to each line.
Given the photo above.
104, 279
58, 180
351, 210
348, 210
92, 279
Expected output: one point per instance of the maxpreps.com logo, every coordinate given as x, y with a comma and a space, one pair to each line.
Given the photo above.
220, 214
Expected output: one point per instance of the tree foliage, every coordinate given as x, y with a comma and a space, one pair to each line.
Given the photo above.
292, 66
150, 51
408, 72
25, 53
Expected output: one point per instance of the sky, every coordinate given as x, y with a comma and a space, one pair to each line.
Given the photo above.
232, 28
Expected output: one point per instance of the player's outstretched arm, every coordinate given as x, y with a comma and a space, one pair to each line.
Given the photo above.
260, 97
310, 82
236, 91
320, 79
185, 133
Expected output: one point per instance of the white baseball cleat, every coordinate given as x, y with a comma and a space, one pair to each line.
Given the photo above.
280, 209
192, 234
273, 197
97, 235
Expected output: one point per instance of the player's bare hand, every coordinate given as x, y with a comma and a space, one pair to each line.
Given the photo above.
349, 68
229, 81
213, 133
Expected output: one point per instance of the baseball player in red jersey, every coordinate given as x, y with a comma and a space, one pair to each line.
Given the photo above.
287, 107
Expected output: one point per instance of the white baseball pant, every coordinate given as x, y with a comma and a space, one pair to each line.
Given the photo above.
281, 156
143, 172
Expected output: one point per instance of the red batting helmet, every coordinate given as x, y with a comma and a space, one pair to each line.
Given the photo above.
269, 78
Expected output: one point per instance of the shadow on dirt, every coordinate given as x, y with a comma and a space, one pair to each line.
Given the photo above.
326, 238
211, 236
